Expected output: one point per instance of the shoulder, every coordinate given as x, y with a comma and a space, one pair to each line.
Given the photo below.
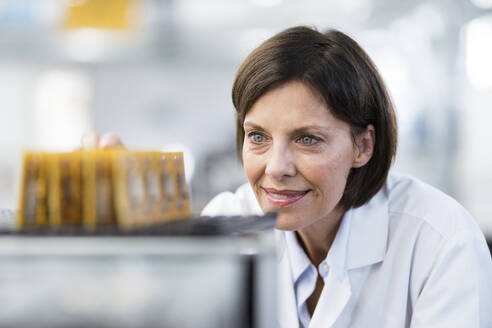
413, 199
449, 257
436, 228
240, 202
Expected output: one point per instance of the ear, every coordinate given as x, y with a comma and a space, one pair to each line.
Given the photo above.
364, 146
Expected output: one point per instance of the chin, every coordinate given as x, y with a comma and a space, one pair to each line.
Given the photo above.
286, 222
287, 218
284, 227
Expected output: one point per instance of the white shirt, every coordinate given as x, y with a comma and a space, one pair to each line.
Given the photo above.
410, 257
304, 273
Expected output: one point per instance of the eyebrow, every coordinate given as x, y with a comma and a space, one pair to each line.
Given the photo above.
252, 125
302, 129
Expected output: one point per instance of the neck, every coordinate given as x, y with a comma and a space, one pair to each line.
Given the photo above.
317, 238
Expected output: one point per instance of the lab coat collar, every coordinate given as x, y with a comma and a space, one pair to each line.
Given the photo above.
364, 232
338, 290
337, 255
298, 258
368, 232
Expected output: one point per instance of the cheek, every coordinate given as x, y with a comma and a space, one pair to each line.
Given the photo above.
252, 166
328, 174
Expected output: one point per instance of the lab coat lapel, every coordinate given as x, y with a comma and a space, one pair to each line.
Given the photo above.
366, 245
332, 301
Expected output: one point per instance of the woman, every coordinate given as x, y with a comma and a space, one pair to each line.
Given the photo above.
316, 133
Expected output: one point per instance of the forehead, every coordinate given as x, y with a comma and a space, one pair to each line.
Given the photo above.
291, 105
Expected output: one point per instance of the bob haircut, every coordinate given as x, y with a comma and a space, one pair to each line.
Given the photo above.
335, 68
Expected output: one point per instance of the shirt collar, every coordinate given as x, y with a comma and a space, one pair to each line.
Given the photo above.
335, 259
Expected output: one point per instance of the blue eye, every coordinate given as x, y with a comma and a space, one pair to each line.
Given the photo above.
256, 137
307, 140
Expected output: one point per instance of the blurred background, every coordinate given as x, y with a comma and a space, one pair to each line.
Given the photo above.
159, 74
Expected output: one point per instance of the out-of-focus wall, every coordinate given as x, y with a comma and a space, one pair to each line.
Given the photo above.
160, 72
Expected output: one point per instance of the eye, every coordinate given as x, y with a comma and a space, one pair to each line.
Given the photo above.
308, 140
256, 137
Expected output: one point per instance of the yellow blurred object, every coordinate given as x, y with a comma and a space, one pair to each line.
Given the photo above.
34, 196
98, 208
149, 187
64, 191
102, 188
104, 14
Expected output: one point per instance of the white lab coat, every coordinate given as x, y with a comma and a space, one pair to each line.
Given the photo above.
413, 257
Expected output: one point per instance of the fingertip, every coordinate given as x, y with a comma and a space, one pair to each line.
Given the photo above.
90, 141
110, 140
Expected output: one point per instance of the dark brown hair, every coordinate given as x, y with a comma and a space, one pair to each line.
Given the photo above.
336, 68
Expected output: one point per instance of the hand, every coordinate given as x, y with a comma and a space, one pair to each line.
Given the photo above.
92, 141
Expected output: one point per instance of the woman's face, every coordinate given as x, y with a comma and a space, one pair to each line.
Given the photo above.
297, 156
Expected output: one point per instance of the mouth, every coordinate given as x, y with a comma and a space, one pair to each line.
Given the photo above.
284, 198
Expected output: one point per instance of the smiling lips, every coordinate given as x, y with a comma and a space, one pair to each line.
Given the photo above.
284, 198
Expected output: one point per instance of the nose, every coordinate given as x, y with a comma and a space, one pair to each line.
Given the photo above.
280, 163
